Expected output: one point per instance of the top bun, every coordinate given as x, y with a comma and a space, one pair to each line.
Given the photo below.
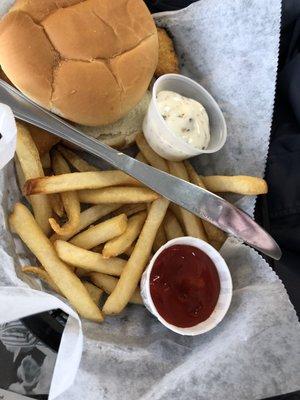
89, 61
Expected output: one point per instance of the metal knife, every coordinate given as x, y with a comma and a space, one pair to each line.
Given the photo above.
199, 201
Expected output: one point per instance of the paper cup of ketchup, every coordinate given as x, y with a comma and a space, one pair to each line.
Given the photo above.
187, 286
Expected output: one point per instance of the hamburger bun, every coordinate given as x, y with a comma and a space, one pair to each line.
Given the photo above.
122, 133
89, 61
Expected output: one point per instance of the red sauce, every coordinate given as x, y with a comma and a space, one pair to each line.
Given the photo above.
184, 285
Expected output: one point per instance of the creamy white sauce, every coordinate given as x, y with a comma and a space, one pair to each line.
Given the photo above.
185, 117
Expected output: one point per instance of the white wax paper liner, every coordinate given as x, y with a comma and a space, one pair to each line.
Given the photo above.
34, 302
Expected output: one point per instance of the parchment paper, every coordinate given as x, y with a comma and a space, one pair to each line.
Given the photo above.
231, 47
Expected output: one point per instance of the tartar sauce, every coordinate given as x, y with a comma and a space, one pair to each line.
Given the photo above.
185, 117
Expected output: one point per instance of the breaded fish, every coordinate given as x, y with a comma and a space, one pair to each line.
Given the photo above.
44, 140
167, 59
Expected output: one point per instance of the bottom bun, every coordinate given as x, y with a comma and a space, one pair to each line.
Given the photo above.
119, 141
122, 133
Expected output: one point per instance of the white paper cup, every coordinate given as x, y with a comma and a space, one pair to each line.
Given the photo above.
165, 142
8, 131
225, 295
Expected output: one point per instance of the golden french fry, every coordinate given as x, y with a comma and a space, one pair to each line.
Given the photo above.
20, 173
88, 217
240, 184
46, 161
120, 194
153, 159
31, 166
57, 204
141, 158
193, 175
108, 284
192, 224
88, 260
42, 274
217, 244
215, 235
20, 176
172, 226
22, 222
137, 262
98, 249
82, 273
94, 292
69, 199
160, 238
77, 181
77, 162
176, 210
101, 233
129, 251
119, 244
131, 209
158, 162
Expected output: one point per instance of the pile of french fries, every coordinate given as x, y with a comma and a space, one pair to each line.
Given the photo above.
93, 232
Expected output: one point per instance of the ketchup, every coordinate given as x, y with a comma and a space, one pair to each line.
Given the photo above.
184, 285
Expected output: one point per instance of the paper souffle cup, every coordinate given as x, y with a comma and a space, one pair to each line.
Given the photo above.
225, 295
165, 142
8, 135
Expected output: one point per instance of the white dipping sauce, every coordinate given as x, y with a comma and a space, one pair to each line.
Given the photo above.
185, 117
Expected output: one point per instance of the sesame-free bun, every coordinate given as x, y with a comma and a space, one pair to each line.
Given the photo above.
122, 133
89, 61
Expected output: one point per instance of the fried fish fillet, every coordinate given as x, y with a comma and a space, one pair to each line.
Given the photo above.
167, 58
44, 140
